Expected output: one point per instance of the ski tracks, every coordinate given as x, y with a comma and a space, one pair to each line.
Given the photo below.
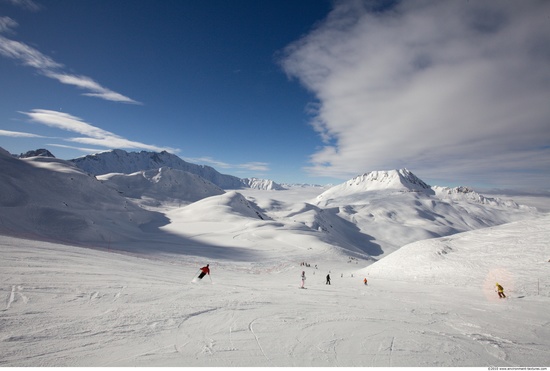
181, 332
16, 291
256, 337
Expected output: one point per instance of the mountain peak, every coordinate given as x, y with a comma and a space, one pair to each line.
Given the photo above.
37, 153
401, 179
120, 161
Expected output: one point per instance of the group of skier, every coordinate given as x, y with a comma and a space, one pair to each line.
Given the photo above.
303, 279
206, 270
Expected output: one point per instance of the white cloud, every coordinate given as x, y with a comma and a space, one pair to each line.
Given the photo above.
92, 134
429, 85
31, 57
7, 24
251, 166
81, 149
26, 55
17, 134
84, 82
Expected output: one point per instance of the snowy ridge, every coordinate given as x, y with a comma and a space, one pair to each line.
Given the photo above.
395, 208
264, 184
155, 186
119, 161
231, 203
397, 180
39, 152
465, 193
48, 198
370, 223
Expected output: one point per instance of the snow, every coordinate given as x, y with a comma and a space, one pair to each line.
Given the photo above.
163, 185
91, 278
120, 161
68, 306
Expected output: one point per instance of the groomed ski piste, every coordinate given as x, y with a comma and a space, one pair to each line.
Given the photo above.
130, 300
434, 304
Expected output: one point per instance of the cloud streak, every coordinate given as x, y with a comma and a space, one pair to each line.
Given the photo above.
18, 134
439, 87
250, 166
24, 4
46, 66
92, 135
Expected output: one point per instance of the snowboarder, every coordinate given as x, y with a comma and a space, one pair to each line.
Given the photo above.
500, 290
204, 271
365, 281
303, 279
328, 279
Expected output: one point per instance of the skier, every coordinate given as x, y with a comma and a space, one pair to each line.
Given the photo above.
303, 279
500, 290
204, 271
328, 279
365, 281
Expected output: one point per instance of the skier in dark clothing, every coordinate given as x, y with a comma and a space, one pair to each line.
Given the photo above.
328, 279
204, 271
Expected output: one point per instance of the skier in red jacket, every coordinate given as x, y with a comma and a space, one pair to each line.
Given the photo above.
204, 271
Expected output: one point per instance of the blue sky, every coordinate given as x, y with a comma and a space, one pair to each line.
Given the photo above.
311, 91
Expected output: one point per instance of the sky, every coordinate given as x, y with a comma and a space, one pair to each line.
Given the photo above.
309, 91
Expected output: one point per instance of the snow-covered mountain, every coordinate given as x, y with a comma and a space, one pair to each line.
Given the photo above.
397, 180
156, 186
371, 215
48, 198
264, 184
394, 208
119, 161
38, 152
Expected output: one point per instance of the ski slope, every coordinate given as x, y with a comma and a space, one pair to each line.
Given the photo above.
69, 306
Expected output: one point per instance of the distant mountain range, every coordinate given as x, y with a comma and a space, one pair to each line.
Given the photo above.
371, 215
122, 162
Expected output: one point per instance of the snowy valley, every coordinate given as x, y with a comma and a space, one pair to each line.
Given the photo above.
99, 254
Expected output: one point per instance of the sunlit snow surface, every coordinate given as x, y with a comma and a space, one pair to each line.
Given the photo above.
113, 286
431, 303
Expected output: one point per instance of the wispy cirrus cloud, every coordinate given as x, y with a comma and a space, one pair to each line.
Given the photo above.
81, 149
437, 86
24, 4
18, 134
46, 66
7, 24
94, 89
251, 166
92, 135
